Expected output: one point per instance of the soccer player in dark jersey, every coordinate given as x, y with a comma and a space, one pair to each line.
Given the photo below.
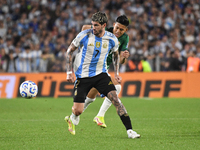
119, 28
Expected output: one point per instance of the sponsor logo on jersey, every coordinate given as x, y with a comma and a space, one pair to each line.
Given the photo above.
98, 44
91, 44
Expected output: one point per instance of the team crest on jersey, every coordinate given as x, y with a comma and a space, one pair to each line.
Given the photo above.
119, 42
98, 44
105, 45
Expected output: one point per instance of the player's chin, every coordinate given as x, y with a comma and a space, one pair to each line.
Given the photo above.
117, 35
95, 33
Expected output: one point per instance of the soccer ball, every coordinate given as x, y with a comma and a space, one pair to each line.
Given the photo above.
28, 89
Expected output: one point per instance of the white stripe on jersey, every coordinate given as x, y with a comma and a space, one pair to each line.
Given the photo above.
26, 62
93, 52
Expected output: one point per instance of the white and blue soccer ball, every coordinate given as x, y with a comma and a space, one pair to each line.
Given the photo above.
28, 89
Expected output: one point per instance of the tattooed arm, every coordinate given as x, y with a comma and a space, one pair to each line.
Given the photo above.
70, 50
116, 66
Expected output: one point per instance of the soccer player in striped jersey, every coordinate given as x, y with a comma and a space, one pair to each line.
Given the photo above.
119, 28
90, 68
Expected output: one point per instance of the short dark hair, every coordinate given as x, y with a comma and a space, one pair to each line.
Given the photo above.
27, 47
11, 51
100, 18
123, 20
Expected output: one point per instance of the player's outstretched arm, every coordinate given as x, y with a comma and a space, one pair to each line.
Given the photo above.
85, 27
116, 66
70, 50
123, 56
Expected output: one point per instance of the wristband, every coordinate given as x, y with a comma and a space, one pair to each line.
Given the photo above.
69, 72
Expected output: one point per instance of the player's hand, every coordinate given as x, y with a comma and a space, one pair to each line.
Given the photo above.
125, 54
118, 78
70, 78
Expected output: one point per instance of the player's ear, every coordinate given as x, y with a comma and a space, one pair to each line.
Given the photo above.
113, 24
104, 25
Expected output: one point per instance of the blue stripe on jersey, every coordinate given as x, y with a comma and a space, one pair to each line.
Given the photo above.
79, 70
95, 57
104, 62
111, 43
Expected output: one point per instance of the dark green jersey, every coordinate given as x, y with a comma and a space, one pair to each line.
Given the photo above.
123, 45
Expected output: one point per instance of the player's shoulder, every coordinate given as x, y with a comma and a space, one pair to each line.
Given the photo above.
125, 36
111, 35
110, 29
84, 32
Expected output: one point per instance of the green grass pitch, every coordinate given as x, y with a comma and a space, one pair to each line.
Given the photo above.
38, 124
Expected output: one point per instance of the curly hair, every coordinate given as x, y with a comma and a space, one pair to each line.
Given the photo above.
100, 18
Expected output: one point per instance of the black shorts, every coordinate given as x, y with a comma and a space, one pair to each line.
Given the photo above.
82, 86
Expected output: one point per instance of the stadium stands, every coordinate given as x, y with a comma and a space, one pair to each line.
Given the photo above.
35, 34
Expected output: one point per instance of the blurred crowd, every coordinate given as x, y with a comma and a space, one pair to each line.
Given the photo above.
35, 34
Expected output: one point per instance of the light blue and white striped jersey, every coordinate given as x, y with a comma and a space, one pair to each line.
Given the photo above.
25, 61
93, 51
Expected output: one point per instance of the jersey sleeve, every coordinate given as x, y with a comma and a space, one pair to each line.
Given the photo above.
80, 37
124, 44
116, 45
76, 42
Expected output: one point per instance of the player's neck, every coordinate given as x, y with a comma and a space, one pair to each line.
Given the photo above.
102, 34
